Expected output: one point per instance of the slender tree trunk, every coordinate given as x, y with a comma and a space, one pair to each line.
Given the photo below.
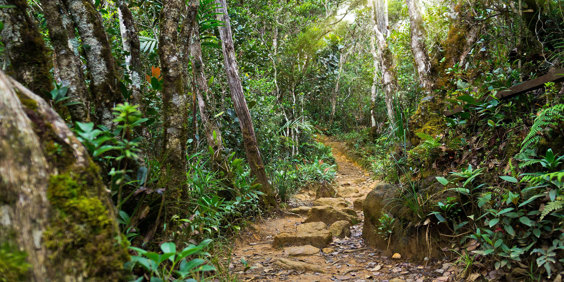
380, 14
249, 139
101, 65
335, 94
131, 45
25, 49
213, 134
420, 57
68, 65
373, 90
175, 102
53, 204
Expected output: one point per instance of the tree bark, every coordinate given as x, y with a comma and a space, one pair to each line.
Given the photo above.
131, 45
53, 203
99, 59
175, 101
25, 49
249, 139
418, 49
335, 94
213, 134
68, 71
373, 90
380, 16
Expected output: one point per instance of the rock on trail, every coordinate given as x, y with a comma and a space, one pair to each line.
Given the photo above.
320, 238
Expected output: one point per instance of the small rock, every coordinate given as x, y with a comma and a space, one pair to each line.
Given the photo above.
376, 268
325, 191
332, 202
473, 277
396, 256
306, 250
298, 265
300, 210
340, 229
329, 215
316, 238
328, 250
311, 227
397, 280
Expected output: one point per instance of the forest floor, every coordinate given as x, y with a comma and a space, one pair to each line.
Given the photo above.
345, 259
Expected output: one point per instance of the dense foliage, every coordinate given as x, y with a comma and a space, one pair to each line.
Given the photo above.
488, 178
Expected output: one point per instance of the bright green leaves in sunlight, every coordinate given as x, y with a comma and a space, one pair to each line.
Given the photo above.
182, 264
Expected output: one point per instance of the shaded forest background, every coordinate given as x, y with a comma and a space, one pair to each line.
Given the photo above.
198, 116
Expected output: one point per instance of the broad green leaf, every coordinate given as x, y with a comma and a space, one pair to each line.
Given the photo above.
188, 266
493, 222
509, 179
207, 267
461, 190
138, 250
103, 149
442, 180
504, 211
168, 247
530, 200
509, 229
525, 220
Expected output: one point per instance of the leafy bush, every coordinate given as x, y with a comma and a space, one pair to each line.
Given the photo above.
218, 204
172, 264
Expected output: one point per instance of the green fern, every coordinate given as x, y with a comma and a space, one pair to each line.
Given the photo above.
536, 178
547, 117
553, 206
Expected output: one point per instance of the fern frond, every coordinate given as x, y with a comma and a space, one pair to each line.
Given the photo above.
551, 207
548, 116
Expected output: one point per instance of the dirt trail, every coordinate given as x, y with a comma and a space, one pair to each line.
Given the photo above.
346, 259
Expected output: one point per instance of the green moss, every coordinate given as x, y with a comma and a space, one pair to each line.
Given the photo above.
13, 261
83, 230
27, 102
57, 151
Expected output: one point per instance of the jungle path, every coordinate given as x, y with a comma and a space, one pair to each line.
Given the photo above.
343, 259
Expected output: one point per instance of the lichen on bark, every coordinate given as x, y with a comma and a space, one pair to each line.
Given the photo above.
51, 188
29, 58
101, 65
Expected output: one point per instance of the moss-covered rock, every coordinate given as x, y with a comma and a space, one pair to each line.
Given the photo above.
82, 227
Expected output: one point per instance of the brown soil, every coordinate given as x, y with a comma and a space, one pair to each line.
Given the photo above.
345, 259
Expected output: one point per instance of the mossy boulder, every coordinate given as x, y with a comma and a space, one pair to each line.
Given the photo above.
373, 208
52, 197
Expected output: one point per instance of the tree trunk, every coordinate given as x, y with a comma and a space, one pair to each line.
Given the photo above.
249, 139
380, 14
131, 45
54, 206
68, 71
373, 90
420, 57
335, 94
99, 59
25, 48
175, 102
213, 134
